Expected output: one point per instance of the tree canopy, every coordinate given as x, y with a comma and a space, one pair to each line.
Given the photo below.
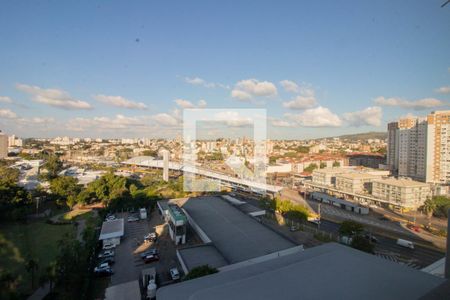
200, 272
351, 228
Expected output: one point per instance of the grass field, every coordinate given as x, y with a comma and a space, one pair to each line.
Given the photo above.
37, 240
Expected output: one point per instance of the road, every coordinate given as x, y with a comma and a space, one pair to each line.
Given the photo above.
386, 247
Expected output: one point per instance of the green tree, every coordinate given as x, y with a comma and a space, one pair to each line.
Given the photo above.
200, 272
8, 176
53, 165
49, 276
363, 244
323, 165
8, 285
150, 153
67, 188
429, 206
32, 266
351, 228
311, 168
442, 206
336, 164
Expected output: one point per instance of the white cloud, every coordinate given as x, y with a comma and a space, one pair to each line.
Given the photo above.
202, 82
443, 90
233, 118
188, 104
370, 116
194, 80
53, 97
34, 121
417, 105
290, 86
301, 102
282, 123
5, 99
315, 117
7, 114
201, 103
119, 122
241, 95
120, 101
184, 103
244, 90
165, 119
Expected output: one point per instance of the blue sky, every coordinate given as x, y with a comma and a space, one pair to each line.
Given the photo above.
320, 68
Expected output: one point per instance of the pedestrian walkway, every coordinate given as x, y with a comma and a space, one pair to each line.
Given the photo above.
395, 259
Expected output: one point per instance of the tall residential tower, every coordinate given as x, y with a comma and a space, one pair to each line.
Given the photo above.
419, 147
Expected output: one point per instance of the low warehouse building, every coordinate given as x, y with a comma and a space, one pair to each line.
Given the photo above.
112, 231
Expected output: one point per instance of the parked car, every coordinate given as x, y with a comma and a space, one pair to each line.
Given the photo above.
106, 253
108, 246
151, 258
132, 219
107, 271
152, 236
371, 238
109, 260
151, 251
110, 218
413, 227
101, 266
174, 274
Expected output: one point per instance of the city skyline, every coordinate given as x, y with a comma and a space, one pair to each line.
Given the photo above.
320, 70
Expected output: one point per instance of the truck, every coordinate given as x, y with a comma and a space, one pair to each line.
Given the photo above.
143, 213
405, 243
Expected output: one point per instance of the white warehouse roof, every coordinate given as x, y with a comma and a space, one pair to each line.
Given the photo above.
112, 229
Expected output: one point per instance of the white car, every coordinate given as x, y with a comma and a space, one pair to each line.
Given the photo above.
110, 218
132, 219
109, 246
174, 274
101, 267
106, 253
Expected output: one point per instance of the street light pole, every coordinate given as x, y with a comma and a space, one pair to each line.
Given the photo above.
318, 210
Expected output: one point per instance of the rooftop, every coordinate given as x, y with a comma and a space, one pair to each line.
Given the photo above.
330, 271
206, 254
402, 182
176, 213
237, 236
112, 229
359, 175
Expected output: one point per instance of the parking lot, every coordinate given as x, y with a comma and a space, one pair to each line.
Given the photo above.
128, 262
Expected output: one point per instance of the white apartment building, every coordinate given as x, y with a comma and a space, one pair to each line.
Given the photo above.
401, 192
3, 145
419, 147
355, 182
438, 147
14, 141
327, 176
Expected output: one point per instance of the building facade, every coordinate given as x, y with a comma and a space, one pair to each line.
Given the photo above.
419, 147
438, 147
401, 192
355, 182
3, 145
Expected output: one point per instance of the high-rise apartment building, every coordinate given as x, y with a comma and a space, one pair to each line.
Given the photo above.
392, 147
3, 145
419, 147
438, 147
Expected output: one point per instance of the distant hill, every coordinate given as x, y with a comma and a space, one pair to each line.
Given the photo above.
364, 136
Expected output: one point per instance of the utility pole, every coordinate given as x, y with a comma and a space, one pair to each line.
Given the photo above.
318, 225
